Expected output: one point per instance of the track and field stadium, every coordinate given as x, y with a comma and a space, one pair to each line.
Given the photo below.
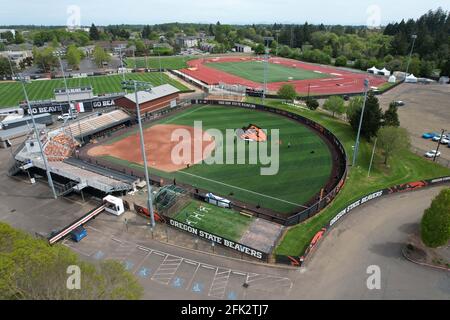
305, 77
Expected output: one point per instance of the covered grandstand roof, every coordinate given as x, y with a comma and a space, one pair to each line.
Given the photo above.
97, 123
155, 93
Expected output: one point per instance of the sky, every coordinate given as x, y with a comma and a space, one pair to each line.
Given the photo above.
104, 12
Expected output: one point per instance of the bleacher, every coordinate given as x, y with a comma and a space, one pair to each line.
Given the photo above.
93, 124
59, 147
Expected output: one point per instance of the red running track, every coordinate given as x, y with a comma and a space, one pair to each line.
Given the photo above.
339, 82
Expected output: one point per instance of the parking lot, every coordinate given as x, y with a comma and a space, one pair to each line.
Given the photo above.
159, 271
426, 109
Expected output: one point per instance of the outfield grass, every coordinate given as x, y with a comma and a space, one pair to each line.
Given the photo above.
403, 168
301, 174
254, 71
173, 63
11, 92
222, 222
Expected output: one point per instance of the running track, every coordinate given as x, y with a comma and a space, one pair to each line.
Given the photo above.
339, 82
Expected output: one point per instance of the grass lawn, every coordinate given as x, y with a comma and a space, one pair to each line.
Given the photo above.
225, 223
254, 71
177, 62
301, 174
11, 92
402, 168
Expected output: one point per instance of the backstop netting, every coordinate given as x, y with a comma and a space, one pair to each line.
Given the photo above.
170, 200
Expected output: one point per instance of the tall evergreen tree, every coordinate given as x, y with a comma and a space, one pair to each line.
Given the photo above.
391, 116
372, 119
94, 34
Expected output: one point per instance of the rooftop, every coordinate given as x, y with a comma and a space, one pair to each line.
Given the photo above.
155, 93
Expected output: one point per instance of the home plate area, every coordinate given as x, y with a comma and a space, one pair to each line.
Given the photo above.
178, 273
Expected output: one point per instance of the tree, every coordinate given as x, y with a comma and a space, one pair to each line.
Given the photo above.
31, 269
44, 58
19, 38
100, 56
73, 56
287, 92
335, 104
94, 34
392, 140
354, 105
435, 224
260, 49
391, 116
372, 119
445, 70
341, 61
5, 70
312, 103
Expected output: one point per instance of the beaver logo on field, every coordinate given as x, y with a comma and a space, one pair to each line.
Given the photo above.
252, 133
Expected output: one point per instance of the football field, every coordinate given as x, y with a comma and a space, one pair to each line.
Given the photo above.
254, 71
11, 92
305, 161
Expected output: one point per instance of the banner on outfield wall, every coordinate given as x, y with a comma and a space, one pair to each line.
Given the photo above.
39, 107
218, 240
405, 187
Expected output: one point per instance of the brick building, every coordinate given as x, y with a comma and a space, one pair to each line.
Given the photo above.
158, 98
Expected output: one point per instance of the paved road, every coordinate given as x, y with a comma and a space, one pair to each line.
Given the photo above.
373, 235
370, 235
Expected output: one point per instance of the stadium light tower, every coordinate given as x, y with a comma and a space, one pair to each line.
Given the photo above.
136, 85
414, 37
49, 176
68, 96
267, 41
36, 132
355, 153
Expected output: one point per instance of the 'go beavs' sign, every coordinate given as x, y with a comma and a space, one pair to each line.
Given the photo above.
219, 240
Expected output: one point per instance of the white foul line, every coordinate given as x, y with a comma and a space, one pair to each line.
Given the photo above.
228, 185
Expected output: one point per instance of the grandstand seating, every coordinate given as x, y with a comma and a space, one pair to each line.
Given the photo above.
90, 124
59, 147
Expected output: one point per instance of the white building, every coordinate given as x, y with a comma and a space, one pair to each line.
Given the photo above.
242, 48
16, 56
187, 42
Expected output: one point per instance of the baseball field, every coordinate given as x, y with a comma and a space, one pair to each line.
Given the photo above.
254, 71
305, 161
11, 92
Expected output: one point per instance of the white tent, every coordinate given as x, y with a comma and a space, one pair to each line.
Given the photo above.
373, 70
385, 72
392, 79
411, 79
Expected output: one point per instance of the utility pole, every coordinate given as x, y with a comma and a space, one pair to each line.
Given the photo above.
143, 85
355, 154
373, 154
439, 144
414, 37
160, 68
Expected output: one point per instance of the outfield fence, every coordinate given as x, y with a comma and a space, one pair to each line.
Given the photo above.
316, 240
320, 201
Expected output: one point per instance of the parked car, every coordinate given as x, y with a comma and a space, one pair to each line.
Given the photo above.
399, 103
67, 116
445, 140
439, 137
432, 153
429, 135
